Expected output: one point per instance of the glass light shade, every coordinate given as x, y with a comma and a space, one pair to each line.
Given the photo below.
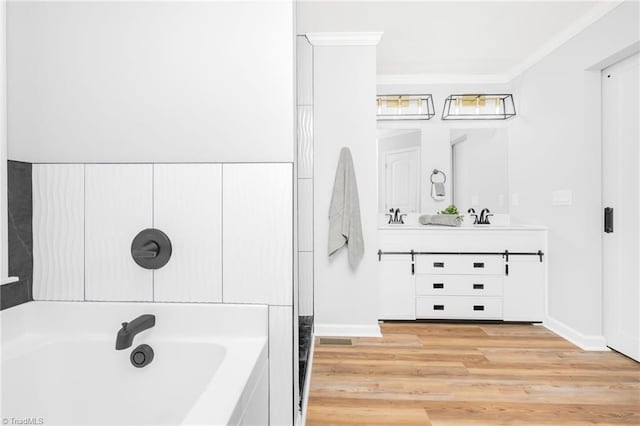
479, 107
405, 107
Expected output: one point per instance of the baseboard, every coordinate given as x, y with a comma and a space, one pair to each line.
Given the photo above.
588, 343
307, 383
347, 330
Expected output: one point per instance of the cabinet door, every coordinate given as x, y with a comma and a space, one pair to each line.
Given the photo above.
396, 289
524, 289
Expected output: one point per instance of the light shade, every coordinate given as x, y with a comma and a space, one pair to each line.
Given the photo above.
405, 107
479, 107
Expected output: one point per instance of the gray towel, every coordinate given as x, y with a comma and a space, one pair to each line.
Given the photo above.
345, 226
437, 191
441, 219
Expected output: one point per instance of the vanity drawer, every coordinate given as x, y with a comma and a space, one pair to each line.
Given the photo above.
458, 285
460, 264
459, 307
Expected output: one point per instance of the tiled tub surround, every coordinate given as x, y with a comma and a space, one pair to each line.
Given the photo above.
20, 211
210, 364
230, 226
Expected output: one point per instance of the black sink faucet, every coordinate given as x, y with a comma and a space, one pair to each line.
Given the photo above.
130, 329
472, 212
484, 217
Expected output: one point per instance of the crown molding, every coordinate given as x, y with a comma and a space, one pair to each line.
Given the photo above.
564, 36
426, 79
344, 39
547, 48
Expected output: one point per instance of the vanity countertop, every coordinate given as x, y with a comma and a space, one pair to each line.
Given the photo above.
461, 228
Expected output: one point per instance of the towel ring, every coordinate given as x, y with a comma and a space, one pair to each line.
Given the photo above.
437, 172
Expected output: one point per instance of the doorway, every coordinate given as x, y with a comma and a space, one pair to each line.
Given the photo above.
621, 195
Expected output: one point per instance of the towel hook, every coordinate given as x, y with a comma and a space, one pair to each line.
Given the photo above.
437, 172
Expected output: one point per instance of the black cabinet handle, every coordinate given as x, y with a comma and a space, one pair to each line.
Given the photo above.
438, 307
478, 307
608, 220
438, 285
478, 264
438, 264
478, 286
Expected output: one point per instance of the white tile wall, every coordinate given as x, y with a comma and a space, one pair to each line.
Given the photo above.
305, 283
305, 215
118, 205
257, 233
58, 231
280, 365
188, 208
304, 70
305, 141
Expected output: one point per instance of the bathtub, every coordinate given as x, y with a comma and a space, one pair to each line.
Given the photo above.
60, 367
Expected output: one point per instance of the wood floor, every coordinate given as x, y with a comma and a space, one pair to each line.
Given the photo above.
452, 374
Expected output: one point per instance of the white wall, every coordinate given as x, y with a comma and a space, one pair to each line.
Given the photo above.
4, 260
151, 81
436, 148
555, 144
344, 116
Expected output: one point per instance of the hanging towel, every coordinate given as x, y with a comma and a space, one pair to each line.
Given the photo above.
345, 226
437, 191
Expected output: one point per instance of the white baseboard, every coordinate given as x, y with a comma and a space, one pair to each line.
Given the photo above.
586, 342
347, 330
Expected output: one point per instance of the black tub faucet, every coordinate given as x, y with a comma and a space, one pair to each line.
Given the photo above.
130, 329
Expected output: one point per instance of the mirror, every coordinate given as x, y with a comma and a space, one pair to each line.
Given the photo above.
399, 169
479, 169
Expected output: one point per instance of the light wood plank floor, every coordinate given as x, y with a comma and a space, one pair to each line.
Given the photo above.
462, 374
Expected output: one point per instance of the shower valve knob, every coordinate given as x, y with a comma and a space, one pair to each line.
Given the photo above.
151, 249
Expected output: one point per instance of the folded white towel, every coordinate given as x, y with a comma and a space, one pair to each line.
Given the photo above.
345, 226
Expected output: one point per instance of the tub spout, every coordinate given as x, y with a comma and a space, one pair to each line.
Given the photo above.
129, 330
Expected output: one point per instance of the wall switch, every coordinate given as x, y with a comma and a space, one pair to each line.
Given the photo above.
562, 197
515, 199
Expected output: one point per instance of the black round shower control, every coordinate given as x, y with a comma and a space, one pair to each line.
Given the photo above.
141, 356
151, 249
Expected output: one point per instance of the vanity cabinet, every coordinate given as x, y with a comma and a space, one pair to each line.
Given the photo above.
462, 283
396, 290
459, 286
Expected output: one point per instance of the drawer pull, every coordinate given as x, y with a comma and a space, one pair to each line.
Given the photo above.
438, 285
438, 307
478, 264
438, 264
478, 307
478, 286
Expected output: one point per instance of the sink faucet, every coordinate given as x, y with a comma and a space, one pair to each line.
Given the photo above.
130, 329
484, 217
395, 217
472, 212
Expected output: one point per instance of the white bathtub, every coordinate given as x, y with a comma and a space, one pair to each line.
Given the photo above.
60, 366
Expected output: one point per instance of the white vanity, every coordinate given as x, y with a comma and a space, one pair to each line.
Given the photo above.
472, 273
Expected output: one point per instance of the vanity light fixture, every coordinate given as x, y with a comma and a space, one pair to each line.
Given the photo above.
479, 107
405, 107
